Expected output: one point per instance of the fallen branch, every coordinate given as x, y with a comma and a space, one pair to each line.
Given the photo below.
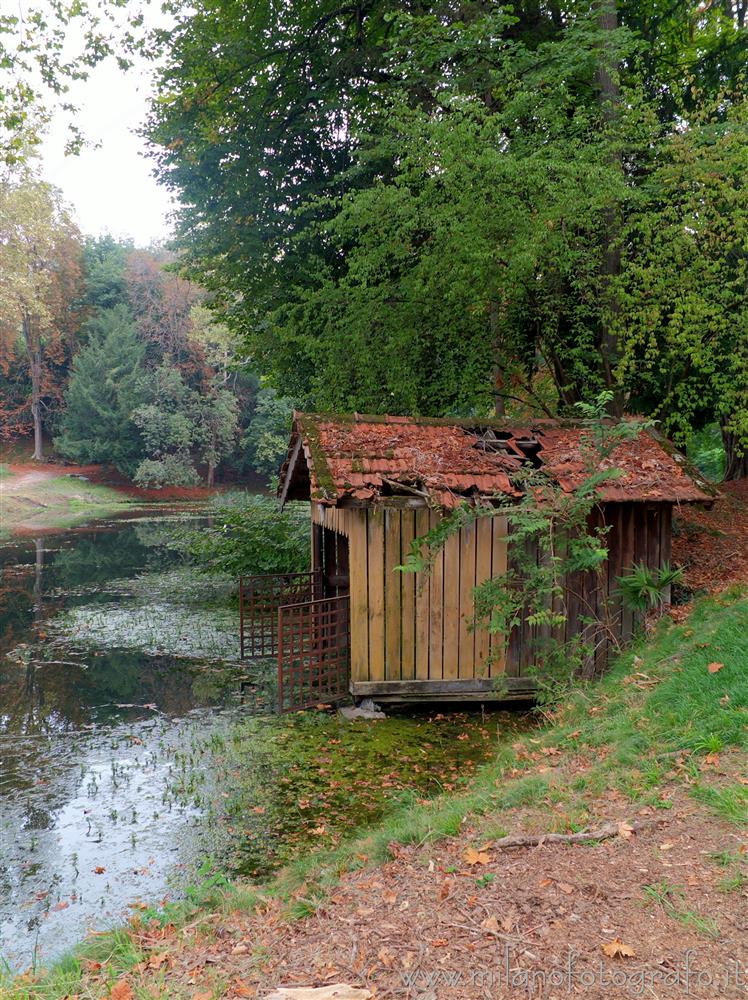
602, 833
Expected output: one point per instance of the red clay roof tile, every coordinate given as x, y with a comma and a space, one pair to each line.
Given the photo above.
447, 460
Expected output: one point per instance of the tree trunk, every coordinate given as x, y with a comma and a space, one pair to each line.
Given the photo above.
34, 351
609, 96
38, 580
736, 466
498, 368
211, 472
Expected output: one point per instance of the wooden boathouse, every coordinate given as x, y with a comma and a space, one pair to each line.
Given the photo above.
357, 625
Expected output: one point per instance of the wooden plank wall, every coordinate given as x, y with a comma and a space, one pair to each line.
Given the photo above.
636, 533
407, 626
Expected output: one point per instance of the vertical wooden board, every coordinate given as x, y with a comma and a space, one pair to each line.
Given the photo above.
628, 557
613, 514
408, 586
640, 533
613, 542
499, 563
529, 633
540, 637
666, 532
423, 594
451, 646
483, 543
466, 662
392, 596
316, 546
653, 514
598, 585
375, 540
666, 538
436, 610
359, 596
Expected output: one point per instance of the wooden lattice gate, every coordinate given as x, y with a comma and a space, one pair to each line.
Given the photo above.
260, 597
314, 661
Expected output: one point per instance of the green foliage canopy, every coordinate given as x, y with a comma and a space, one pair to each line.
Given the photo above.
425, 209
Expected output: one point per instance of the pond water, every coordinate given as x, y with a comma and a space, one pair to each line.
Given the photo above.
134, 745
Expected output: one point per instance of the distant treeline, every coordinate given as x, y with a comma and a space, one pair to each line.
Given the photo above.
110, 353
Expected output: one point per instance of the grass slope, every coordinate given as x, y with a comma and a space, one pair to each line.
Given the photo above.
55, 502
673, 713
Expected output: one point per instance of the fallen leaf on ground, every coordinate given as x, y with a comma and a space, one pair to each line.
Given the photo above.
714, 668
490, 924
156, 961
242, 990
617, 949
473, 857
122, 991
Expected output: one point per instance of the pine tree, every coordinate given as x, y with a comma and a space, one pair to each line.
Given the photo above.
106, 386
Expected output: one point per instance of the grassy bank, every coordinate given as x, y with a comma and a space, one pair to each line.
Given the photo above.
53, 501
670, 720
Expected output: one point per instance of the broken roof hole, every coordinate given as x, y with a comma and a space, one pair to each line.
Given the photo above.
493, 441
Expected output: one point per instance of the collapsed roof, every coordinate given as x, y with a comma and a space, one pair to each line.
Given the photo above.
361, 459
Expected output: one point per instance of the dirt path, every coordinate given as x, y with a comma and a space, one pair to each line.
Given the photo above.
20, 483
52, 496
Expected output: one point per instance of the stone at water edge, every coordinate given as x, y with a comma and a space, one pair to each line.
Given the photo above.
341, 991
366, 709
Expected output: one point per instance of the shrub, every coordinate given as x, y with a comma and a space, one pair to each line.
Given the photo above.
251, 534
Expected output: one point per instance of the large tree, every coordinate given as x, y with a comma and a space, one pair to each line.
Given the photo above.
180, 427
44, 47
40, 271
426, 207
684, 322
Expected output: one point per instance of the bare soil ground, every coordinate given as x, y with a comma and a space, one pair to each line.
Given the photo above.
712, 545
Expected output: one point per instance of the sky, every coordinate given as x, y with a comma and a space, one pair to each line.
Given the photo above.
110, 188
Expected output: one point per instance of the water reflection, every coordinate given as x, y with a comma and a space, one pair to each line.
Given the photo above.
121, 769
93, 809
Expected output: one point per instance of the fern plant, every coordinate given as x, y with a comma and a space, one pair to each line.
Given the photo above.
643, 588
